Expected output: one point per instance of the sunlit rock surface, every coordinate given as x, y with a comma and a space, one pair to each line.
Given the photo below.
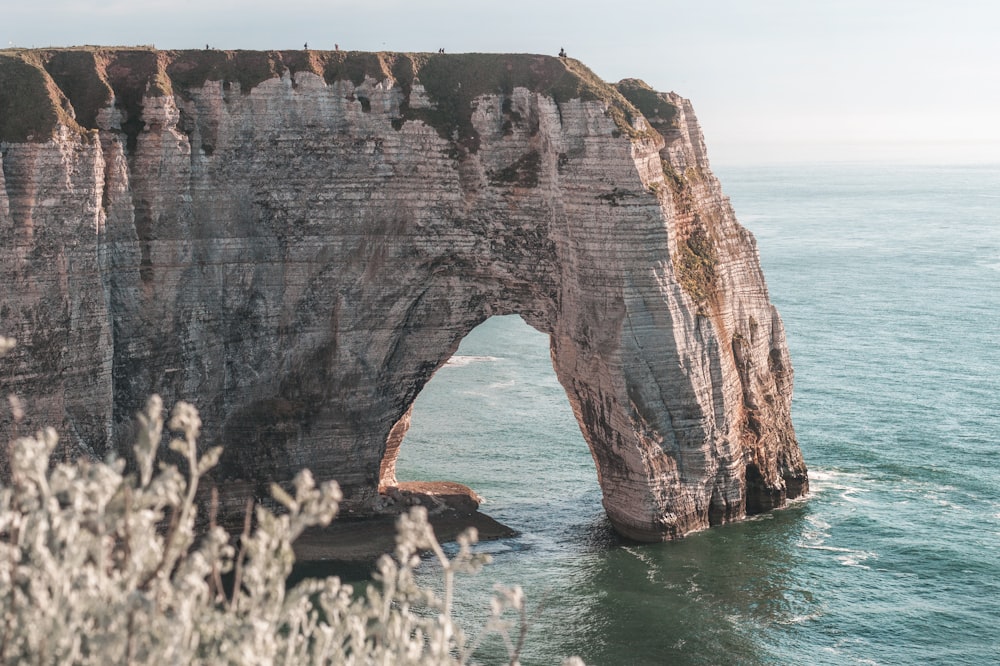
297, 241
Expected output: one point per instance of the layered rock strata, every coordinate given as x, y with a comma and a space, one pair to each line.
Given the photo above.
297, 241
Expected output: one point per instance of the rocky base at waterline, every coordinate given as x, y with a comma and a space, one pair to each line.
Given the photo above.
349, 539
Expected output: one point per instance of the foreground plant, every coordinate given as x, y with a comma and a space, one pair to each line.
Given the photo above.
100, 566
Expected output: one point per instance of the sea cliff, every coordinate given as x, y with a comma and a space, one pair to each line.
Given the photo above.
296, 241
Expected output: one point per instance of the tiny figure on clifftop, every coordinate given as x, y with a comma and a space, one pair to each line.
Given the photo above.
562, 52
306, 46
336, 47
441, 50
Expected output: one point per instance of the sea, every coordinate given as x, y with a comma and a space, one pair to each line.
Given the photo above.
888, 281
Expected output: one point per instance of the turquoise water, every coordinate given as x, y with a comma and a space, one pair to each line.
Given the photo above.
888, 279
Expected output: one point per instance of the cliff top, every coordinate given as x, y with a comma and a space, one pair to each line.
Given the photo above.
41, 89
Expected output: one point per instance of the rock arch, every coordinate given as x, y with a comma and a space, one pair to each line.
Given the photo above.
299, 246
460, 422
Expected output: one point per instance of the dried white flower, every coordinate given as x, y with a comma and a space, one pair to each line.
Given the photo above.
6, 344
16, 407
185, 418
90, 574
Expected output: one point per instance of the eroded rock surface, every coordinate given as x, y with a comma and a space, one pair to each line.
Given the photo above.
297, 241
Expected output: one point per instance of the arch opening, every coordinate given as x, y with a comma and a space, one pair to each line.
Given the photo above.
495, 419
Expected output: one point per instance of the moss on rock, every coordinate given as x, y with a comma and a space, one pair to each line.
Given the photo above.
695, 265
697, 259
524, 172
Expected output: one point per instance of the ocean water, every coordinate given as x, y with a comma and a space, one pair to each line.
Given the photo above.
888, 280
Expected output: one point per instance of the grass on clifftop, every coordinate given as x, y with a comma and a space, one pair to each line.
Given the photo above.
651, 103
79, 75
454, 81
29, 101
35, 83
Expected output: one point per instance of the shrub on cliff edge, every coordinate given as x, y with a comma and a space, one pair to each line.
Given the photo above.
100, 566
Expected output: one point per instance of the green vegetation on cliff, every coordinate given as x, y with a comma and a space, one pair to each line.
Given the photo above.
40, 89
696, 261
652, 104
79, 77
453, 82
30, 107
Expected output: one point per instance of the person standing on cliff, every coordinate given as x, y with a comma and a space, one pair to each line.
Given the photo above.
562, 52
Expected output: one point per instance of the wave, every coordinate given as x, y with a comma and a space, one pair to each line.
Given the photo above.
849, 557
815, 538
652, 569
848, 483
799, 619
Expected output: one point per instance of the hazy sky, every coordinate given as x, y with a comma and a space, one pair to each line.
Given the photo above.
771, 80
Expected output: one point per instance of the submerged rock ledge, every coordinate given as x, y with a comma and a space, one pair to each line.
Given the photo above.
298, 240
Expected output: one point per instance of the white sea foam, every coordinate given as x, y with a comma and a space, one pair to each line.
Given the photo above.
816, 521
948, 504
832, 476
504, 384
461, 361
799, 619
849, 557
856, 559
652, 569
821, 476
832, 549
847, 484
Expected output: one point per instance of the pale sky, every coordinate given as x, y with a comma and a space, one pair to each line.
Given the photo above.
770, 80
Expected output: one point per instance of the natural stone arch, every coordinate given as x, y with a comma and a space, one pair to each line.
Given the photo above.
297, 243
472, 377
400, 429
494, 419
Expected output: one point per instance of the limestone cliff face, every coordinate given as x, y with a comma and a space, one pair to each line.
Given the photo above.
297, 241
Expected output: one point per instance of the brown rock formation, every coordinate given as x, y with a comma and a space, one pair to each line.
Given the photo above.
297, 241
